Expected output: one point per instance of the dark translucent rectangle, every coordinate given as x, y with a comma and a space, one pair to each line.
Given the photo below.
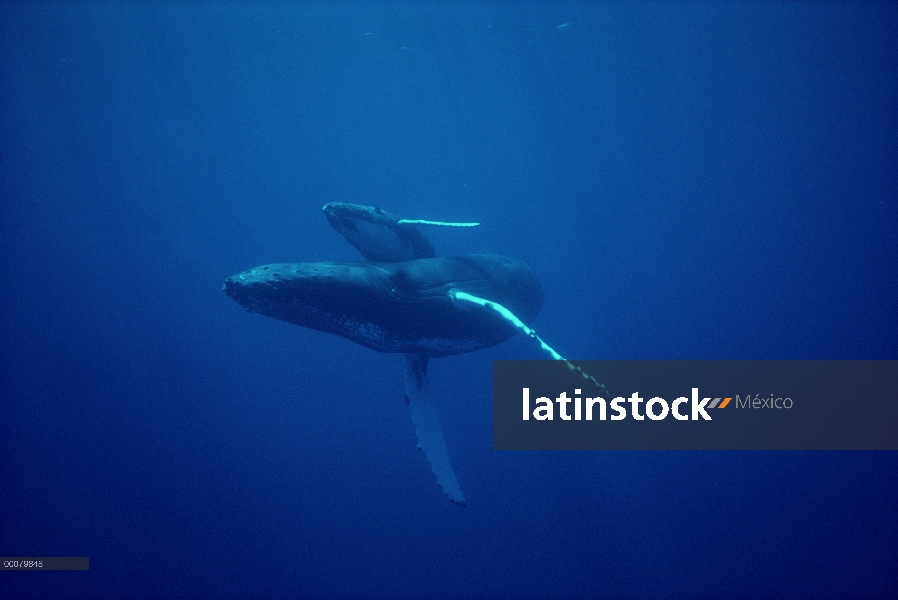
45, 563
751, 405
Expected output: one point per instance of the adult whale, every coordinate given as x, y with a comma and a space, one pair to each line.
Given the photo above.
407, 307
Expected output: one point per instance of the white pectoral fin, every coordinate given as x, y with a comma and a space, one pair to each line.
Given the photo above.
435, 223
464, 300
427, 427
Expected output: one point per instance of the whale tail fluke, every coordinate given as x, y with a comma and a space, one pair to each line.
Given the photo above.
427, 427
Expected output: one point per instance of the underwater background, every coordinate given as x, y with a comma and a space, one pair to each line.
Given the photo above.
687, 180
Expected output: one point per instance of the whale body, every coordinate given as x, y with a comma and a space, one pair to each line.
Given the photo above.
404, 307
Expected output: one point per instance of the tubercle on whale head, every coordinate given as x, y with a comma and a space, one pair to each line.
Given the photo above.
257, 288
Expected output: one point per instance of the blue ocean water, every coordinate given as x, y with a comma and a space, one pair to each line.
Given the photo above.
688, 181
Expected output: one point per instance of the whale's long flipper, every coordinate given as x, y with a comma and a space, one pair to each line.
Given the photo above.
461, 299
427, 427
437, 223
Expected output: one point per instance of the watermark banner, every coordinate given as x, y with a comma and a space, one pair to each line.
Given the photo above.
695, 405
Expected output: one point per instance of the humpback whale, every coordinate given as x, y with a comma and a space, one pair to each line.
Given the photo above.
380, 236
377, 234
403, 300
395, 307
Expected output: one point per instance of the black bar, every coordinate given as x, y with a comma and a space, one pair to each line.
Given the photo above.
45, 563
